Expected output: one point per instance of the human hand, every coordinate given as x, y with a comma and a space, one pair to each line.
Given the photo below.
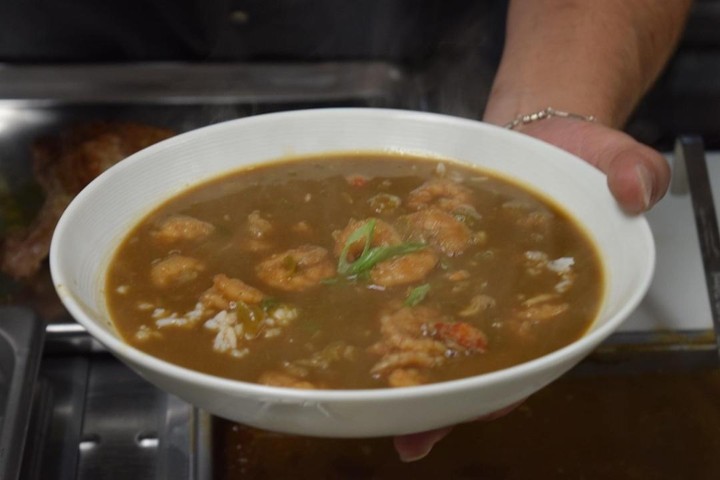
416, 446
637, 176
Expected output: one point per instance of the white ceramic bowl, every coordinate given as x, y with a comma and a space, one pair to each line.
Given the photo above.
102, 214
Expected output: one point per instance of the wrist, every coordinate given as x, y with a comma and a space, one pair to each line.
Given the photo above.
503, 108
544, 114
586, 57
563, 132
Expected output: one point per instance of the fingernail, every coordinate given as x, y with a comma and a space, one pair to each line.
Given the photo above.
416, 455
646, 183
417, 446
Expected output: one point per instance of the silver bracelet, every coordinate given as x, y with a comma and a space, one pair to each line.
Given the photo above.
546, 113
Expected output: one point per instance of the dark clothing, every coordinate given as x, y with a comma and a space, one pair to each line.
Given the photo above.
407, 31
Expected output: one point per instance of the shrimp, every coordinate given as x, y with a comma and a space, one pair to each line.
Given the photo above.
182, 228
542, 312
478, 304
302, 228
296, 269
406, 377
257, 226
526, 215
404, 330
405, 269
441, 193
458, 275
279, 379
399, 270
401, 360
420, 338
323, 359
384, 203
404, 343
384, 234
440, 229
524, 322
259, 230
175, 270
226, 290
460, 337
404, 321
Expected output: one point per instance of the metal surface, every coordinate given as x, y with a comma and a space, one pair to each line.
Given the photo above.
690, 151
122, 426
221, 84
21, 340
101, 420
56, 453
41, 100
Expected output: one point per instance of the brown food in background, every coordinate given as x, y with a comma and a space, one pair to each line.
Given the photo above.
660, 426
63, 165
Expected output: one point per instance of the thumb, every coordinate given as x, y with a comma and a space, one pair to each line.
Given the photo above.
417, 445
637, 176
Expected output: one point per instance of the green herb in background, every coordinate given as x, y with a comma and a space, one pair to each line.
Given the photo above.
18, 206
269, 303
417, 295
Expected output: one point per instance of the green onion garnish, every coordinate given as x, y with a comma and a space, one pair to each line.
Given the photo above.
417, 295
370, 256
365, 232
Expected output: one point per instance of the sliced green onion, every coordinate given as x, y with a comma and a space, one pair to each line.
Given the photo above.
417, 295
375, 255
365, 232
370, 256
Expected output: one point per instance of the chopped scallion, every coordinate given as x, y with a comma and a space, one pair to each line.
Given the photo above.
365, 232
417, 295
370, 256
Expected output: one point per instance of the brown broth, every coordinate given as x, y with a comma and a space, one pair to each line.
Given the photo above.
340, 317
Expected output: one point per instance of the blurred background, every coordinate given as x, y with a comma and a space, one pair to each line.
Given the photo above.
447, 50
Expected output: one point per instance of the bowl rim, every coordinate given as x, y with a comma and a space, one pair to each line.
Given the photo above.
249, 389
